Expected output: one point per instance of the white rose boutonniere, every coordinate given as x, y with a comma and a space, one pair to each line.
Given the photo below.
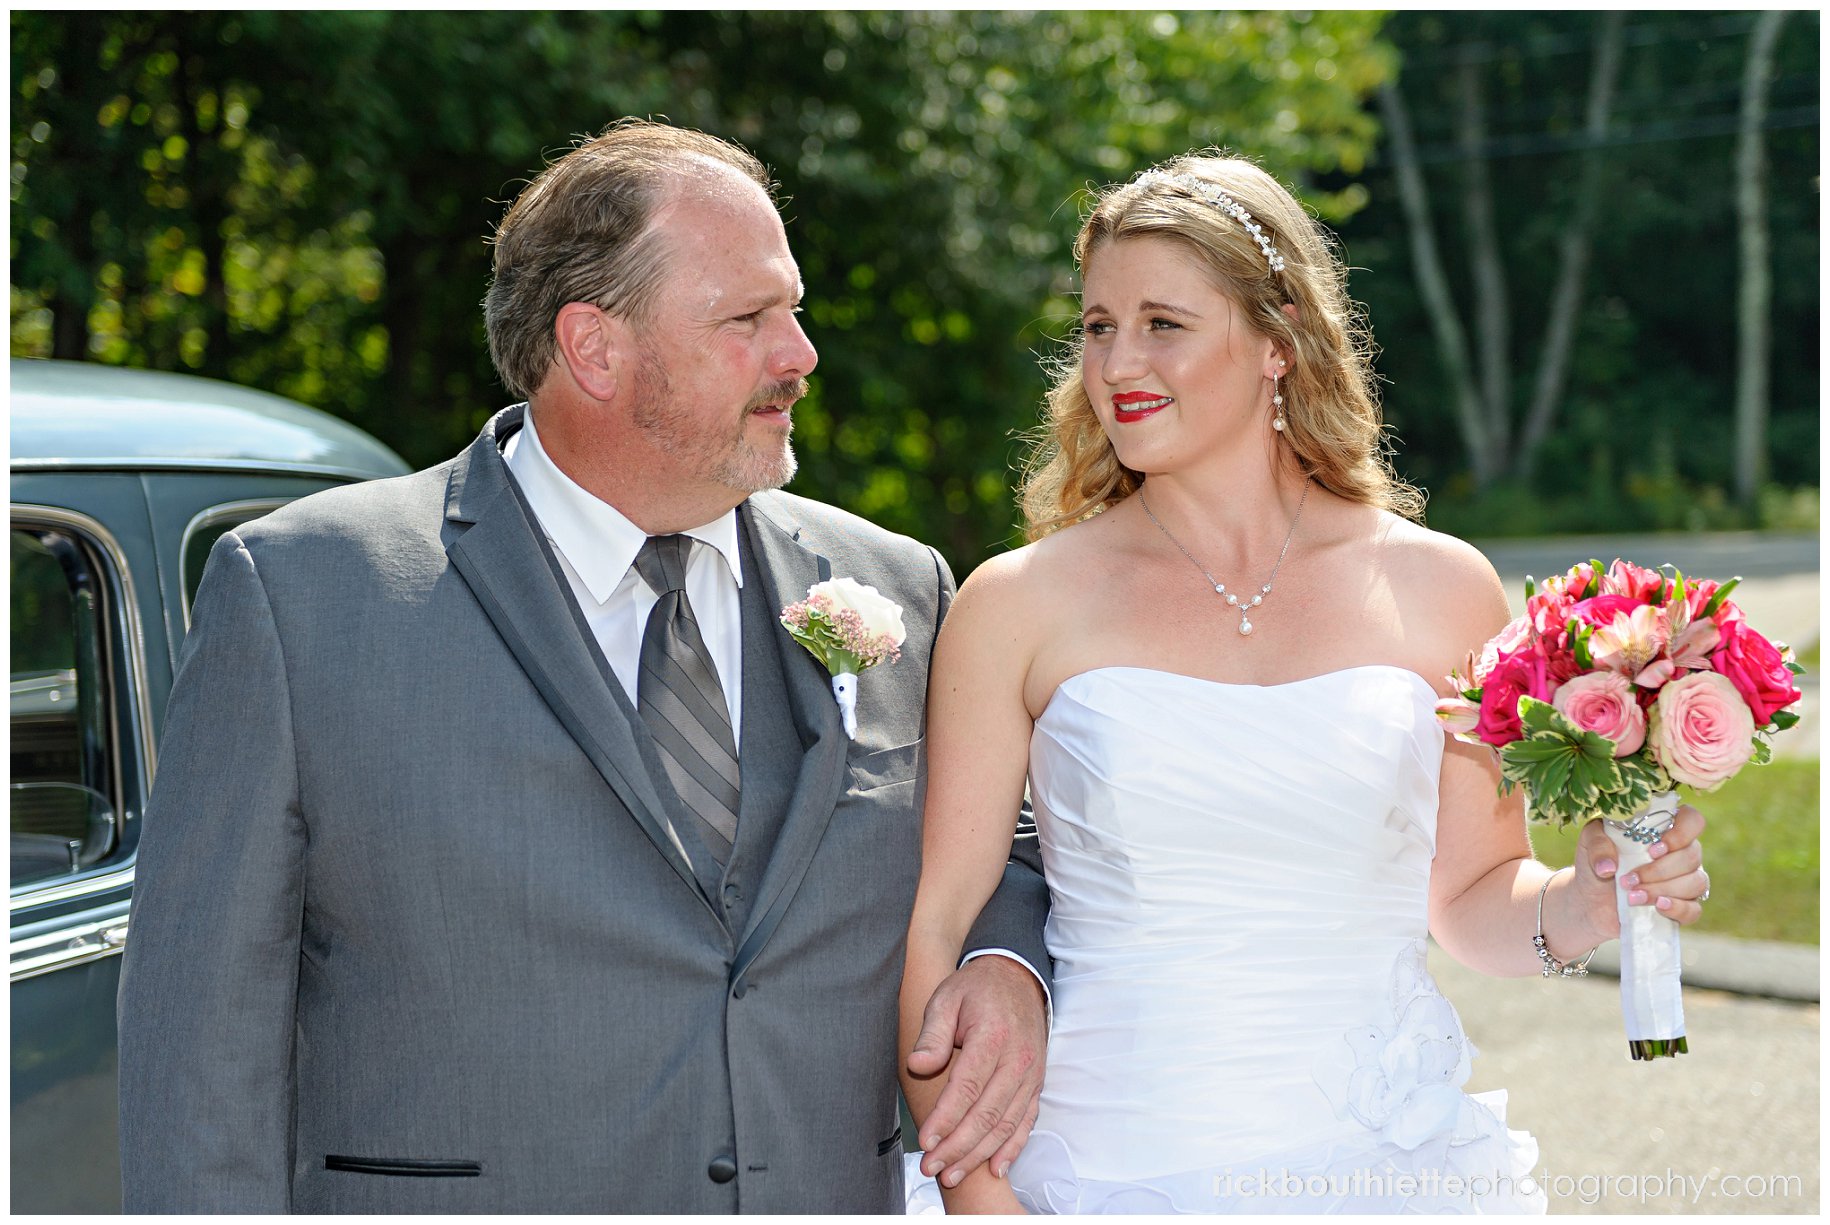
848, 626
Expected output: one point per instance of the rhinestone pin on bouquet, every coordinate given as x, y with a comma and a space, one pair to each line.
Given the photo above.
1613, 687
848, 626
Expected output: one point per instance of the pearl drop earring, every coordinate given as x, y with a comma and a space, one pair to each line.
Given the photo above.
1277, 398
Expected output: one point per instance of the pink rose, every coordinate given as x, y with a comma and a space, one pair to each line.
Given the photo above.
1521, 674
1702, 732
1756, 669
1604, 703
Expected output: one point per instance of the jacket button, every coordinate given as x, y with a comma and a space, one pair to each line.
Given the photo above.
723, 1168
731, 895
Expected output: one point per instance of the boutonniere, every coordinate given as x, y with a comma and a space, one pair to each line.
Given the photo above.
848, 626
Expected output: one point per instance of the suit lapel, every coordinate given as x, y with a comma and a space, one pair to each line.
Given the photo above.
786, 569
502, 557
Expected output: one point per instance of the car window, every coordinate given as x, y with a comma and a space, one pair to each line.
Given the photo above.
203, 533
62, 789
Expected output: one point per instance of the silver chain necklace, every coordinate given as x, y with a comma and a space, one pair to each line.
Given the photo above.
1232, 598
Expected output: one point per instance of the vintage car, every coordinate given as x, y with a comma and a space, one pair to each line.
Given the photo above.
121, 482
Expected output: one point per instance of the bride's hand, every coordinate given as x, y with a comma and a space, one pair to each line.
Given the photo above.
1674, 881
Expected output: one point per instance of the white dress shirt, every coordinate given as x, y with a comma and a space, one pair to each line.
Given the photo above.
596, 546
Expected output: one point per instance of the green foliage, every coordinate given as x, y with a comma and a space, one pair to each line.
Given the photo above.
1761, 847
300, 200
1570, 774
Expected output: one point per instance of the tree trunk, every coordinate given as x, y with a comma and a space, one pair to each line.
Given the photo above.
1433, 284
1491, 314
1756, 332
1566, 299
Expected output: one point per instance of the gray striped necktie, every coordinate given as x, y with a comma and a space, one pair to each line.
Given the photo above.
681, 701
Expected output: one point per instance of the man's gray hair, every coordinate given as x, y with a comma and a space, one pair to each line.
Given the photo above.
580, 233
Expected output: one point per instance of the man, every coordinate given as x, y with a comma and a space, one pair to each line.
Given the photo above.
506, 854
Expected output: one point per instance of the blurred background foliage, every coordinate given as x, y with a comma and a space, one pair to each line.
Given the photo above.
300, 201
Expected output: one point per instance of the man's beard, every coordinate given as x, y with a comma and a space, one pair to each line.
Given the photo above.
736, 460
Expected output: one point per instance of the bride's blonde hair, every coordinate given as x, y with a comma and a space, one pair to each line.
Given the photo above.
1333, 427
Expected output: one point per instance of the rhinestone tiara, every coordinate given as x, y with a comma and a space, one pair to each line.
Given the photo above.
1225, 203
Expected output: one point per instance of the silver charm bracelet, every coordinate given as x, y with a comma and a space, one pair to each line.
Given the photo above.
1552, 967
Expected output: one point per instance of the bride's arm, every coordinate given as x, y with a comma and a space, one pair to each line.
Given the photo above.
1484, 882
978, 746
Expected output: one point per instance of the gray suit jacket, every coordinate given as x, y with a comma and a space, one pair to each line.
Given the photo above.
410, 932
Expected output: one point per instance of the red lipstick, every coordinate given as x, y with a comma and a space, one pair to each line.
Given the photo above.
1131, 406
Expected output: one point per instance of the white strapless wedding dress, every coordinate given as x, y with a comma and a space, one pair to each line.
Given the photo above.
1243, 1020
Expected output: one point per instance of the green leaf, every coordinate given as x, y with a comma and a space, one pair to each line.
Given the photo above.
1531, 587
1795, 669
1784, 719
1715, 601
1579, 640
1763, 751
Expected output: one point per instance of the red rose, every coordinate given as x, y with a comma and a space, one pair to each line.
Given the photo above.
1753, 665
1521, 674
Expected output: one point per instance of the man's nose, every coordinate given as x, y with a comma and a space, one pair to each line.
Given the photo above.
794, 356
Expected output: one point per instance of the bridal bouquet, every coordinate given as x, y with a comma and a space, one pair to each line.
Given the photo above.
1613, 687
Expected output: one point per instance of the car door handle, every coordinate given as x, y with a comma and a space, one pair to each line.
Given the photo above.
53, 946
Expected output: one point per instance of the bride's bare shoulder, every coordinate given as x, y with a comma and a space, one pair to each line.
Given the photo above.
1441, 579
1018, 589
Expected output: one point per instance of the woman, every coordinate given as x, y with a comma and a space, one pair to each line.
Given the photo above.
1214, 660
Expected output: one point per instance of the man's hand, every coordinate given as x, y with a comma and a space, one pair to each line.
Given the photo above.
992, 1010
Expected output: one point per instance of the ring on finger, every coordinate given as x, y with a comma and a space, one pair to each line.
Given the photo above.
1705, 895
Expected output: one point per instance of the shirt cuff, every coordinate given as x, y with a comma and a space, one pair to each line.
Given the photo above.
1048, 999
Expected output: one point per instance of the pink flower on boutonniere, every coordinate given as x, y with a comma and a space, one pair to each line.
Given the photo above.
848, 626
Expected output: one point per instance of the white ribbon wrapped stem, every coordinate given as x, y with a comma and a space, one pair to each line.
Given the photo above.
845, 693
1651, 996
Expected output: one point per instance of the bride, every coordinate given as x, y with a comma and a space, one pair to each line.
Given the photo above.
1215, 664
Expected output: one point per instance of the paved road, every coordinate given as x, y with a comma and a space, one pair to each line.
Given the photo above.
1736, 1119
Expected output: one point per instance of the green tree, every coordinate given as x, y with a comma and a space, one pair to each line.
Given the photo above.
1643, 431
301, 201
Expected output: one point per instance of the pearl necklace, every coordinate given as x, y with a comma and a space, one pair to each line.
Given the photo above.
1232, 598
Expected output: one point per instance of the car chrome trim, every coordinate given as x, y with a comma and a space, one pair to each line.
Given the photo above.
241, 512
134, 635
102, 933
135, 463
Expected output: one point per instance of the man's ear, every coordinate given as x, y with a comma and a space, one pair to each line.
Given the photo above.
590, 344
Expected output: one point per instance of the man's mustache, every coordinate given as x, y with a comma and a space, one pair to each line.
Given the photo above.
784, 392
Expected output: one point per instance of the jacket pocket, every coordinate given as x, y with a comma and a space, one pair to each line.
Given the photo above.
404, 1167
885, 766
